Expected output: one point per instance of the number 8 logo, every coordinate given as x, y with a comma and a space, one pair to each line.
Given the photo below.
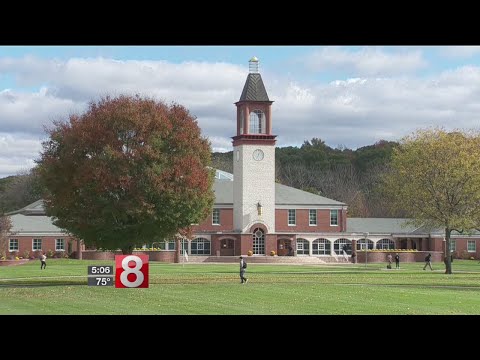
131, 277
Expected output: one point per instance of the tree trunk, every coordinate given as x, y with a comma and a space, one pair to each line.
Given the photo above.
448, 258
127, 250
79, 249
177, 249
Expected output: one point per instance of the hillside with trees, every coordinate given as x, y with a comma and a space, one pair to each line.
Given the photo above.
350, 176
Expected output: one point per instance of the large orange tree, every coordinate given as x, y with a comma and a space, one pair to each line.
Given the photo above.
126, 172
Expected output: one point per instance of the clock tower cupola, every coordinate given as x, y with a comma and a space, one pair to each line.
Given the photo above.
254, 161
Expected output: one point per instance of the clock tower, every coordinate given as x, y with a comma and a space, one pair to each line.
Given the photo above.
254, 162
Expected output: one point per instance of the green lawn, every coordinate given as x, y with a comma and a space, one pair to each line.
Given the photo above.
272, 289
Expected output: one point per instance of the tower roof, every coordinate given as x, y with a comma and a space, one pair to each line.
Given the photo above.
254, 90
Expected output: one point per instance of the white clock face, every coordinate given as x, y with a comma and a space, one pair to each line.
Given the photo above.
258, 155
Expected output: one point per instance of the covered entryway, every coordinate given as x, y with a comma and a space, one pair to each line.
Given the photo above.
284, 247
227, 247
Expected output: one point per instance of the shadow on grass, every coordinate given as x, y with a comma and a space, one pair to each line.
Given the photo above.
28, 284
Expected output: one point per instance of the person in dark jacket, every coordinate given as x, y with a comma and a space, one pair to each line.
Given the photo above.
428, 261
397, 261
243, 269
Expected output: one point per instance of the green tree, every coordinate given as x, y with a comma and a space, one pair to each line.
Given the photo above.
128, 171
367, 157
435, 179
19, 191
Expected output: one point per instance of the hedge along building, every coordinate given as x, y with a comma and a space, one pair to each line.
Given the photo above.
253, 213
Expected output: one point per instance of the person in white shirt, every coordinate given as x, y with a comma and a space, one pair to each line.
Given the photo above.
43, 259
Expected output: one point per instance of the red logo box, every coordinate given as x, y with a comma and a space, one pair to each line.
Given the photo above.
132, 271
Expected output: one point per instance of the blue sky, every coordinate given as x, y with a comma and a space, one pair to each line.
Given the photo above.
347, 96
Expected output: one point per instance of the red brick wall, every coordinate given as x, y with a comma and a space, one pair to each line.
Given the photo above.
214, 244
246, 244
270, 243
411, 256
436, 244
461, 251
25, 243
302, 221
226, 223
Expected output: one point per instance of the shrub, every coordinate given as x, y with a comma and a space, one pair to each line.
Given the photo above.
272, 253
50, 253
26, 254
250, 253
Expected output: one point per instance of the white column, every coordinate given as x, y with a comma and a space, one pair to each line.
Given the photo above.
310, 247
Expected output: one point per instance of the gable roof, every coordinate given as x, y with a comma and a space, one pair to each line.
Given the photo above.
35, 208
24, 225
284, 195
379, 225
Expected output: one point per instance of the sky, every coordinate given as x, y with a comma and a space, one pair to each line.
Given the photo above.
346, 96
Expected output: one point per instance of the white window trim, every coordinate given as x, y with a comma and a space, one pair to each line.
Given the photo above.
316, 217
216, 224
41, 244
288, 217
331, 218
63, 240
474, 243
9, 247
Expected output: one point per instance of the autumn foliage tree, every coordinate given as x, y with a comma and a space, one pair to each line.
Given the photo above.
126, 172
435, 179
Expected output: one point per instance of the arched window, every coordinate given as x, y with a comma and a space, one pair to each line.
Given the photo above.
321, 247
241, 121
386, 244
258, 242
303, 247
361, 244
200, 246
257, 122
340, 244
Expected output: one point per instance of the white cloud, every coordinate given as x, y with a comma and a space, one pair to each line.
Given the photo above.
353, 112
29, 112
365, 62
17, 153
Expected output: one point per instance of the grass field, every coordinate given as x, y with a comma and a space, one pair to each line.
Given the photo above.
272, 289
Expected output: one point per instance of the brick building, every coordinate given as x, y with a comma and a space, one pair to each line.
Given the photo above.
33, 233
254, 214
